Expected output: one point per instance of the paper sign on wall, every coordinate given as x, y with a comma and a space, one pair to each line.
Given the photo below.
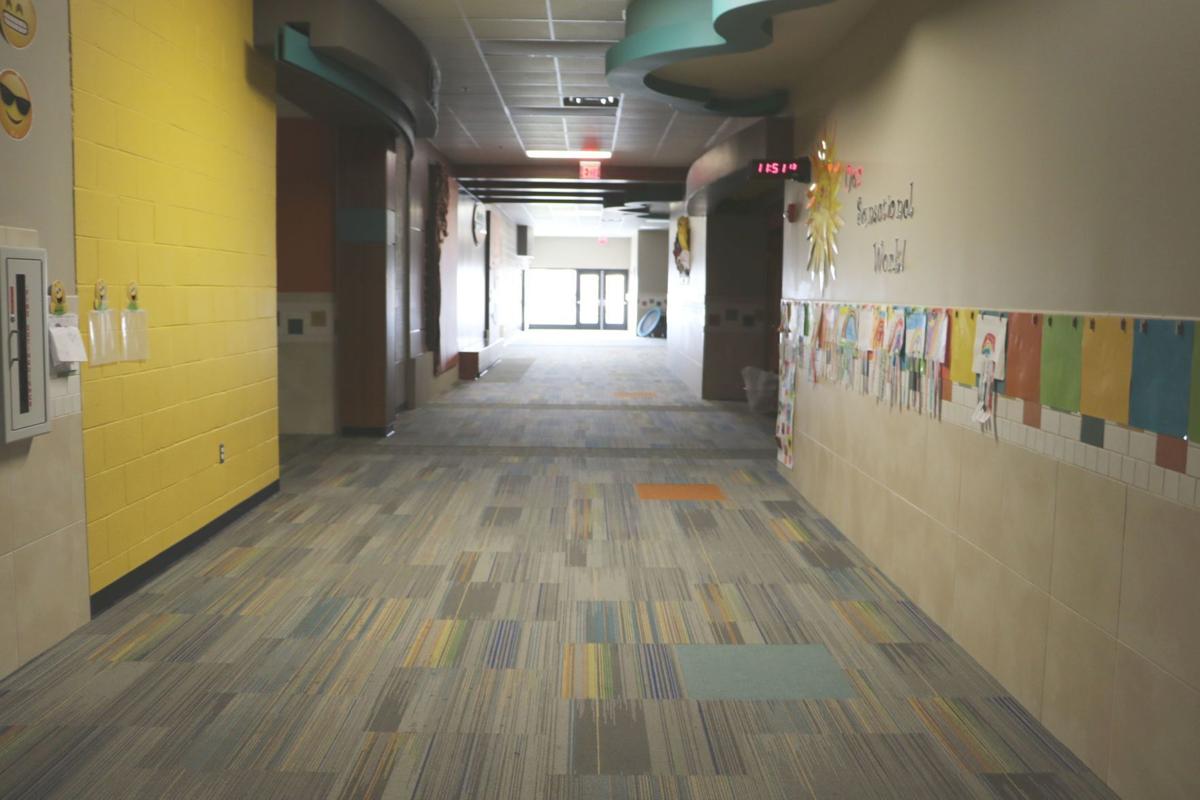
895, 331
1107, 368
962, 340
914, 335
1023, 373
1062, 362
937, 335
868, 317
1162, 365
991, 341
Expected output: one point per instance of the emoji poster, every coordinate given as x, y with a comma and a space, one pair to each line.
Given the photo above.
991, 341
16, 117
18, 22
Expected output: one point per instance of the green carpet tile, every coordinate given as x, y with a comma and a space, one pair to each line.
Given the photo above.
482, 607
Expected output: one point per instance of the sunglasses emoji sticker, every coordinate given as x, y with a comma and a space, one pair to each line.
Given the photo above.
16, 115
18, 22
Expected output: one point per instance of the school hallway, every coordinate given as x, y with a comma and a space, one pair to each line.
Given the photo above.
568, 579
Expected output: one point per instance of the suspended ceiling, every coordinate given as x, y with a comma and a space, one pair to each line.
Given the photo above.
496, 101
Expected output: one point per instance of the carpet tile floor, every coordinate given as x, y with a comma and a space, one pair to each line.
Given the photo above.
486, 606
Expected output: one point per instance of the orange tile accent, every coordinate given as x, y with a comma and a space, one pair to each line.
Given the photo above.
1033, 414
634, 395
1172, 453
680, 491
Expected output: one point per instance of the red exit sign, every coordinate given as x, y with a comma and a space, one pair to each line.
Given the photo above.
780, 169
589, 170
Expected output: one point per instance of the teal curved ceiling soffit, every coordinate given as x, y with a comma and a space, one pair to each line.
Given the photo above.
659, 33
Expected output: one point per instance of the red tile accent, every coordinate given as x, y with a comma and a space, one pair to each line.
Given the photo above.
1033, 414
1172, 453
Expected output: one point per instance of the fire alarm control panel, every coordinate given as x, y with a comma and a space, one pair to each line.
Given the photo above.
23, 344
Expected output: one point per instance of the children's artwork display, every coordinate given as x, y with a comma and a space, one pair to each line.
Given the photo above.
791, 343
991, 341
987, 361
1143, 374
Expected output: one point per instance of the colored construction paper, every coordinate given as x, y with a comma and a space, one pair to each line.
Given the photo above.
1194, 425
1160, 399
1107, 368
1062, 361
962, 340
1023, 376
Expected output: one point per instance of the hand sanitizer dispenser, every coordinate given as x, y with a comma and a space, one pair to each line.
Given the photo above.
23, 346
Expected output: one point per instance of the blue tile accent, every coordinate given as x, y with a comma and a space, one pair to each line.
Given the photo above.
761, 672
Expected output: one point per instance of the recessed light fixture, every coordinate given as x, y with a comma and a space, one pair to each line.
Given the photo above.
573, 155
582, 101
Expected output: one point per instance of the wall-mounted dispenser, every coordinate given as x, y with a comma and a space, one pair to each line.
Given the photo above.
23, 348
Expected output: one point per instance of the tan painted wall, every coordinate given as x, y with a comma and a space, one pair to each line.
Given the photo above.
1051, 146
43, 545
580, 252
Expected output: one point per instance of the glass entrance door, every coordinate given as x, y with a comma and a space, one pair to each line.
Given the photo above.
591, 298
616, 300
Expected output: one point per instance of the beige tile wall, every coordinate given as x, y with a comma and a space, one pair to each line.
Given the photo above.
43, 545
1078, 592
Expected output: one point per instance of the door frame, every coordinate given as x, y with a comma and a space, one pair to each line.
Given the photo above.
600, 324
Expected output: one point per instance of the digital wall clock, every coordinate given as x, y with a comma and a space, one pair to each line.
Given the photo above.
795, 169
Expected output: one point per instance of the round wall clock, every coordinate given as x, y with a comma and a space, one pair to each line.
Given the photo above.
479, 226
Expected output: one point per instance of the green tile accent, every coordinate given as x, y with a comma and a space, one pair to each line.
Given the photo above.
366, 225
1062, 361
1194, 416
1091, 431
761, 672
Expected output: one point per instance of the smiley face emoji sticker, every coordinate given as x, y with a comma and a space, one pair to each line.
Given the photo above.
18, 22
16, 109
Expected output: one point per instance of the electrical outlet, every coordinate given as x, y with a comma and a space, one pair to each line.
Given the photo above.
221, 453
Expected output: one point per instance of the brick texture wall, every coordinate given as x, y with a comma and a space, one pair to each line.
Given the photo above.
175, 188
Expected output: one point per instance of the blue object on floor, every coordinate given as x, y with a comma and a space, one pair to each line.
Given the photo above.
761, 672
649, 322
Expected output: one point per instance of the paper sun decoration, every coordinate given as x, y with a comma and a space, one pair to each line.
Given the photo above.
824, 211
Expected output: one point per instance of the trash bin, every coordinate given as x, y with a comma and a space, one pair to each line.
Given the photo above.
762, 390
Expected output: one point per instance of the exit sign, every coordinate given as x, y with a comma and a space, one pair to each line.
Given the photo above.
589, 170
766, 168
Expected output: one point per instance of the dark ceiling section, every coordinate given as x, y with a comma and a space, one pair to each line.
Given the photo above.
642, 191
354, 59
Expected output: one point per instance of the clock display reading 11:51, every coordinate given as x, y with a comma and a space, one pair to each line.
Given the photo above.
779, 169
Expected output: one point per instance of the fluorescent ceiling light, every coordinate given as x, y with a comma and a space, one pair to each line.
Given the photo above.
581, 155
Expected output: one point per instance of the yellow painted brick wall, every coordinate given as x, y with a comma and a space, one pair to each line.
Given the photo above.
175, 188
